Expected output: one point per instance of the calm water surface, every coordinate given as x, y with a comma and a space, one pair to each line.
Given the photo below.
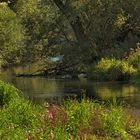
39, 90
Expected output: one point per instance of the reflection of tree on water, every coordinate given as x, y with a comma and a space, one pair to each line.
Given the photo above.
78, 90
39, 89
90, 90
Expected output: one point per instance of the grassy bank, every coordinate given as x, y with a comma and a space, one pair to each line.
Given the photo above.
84, 120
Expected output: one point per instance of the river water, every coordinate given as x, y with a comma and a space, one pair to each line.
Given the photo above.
40, 89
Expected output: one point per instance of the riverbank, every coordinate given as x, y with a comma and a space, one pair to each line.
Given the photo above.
86, 119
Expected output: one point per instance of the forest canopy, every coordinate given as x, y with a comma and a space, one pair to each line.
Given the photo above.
82, 31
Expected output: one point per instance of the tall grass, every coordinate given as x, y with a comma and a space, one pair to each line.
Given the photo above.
113, 121
74, 120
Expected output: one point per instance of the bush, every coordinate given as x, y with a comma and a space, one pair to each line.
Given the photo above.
112, 69
135, 59
8, 93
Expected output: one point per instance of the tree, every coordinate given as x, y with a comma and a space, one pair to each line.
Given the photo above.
104, 24
82, 31
10, 35
76, 24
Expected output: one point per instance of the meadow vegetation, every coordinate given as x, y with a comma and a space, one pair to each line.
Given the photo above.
73, 120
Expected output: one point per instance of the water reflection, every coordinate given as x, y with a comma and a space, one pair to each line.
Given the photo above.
114, 90
40, 89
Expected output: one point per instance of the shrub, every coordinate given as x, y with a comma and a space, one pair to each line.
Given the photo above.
133, 56
112, 69
8, 93
135, 59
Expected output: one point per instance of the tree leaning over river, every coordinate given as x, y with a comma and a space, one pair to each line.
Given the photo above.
81, 31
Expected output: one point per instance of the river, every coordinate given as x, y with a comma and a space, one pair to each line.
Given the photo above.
40, 89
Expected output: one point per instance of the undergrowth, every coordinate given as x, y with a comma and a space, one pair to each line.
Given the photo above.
73, 120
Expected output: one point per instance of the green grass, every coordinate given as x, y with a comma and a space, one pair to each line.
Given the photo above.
113, 122
73, 120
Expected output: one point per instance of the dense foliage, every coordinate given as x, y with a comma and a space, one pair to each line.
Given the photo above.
80, 31
10, 36
112, 70
87, 119
134, 57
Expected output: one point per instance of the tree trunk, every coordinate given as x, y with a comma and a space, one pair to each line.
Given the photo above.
76, 24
